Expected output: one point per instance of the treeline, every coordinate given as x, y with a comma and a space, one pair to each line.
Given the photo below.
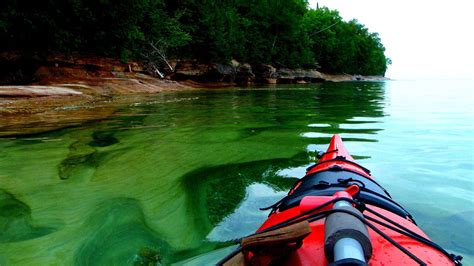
284, 33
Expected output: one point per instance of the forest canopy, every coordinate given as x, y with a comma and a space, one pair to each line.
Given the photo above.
284, 33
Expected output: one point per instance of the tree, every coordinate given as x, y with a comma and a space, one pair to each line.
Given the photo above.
341, 46
285, 33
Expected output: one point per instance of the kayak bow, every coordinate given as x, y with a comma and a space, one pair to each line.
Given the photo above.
337, 214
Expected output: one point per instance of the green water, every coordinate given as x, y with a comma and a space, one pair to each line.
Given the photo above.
172, 177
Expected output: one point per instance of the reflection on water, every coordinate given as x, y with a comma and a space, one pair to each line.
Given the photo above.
177, 175
242, 221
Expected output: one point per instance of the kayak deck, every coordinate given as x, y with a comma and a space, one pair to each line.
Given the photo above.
395, 238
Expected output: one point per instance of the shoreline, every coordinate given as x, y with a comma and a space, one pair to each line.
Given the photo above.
69, 92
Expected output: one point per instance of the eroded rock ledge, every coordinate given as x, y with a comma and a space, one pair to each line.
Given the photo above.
64, 91
245, 74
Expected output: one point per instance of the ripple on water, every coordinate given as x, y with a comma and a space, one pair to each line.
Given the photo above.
319, 125
346, 136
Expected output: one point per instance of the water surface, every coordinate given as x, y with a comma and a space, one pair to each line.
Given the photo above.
172, 177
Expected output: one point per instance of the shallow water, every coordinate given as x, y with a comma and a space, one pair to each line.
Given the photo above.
172, 177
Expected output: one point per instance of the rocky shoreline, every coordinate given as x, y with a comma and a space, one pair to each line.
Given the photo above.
67, 91
245, 74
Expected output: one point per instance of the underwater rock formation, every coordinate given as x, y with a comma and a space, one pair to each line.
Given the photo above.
119, 235
15, 220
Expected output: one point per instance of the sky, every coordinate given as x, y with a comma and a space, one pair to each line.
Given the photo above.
425, 39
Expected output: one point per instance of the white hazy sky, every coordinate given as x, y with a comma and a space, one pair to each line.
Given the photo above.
424, 38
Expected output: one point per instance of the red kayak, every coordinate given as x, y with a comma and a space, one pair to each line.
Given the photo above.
337, 214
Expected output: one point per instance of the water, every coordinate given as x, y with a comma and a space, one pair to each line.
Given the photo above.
175, 176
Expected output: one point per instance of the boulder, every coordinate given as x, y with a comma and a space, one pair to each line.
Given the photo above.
244, 75
265, 73
190, 69
271, 80
286, 75
135, 67
226, 69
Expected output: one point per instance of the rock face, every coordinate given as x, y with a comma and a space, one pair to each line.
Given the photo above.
299, 75
245, 74
58, 68
234, 72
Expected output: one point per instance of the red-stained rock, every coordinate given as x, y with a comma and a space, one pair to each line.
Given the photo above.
36, 91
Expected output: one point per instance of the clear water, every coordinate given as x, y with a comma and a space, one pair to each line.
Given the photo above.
175, 177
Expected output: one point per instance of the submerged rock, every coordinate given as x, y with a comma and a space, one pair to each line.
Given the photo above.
218, 193
147, 256
117, 234
103, 139
81, 157
15, 220
25, 116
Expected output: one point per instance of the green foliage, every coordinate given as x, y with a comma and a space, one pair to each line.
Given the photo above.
109, 27
285, 33
344, 46
249, 31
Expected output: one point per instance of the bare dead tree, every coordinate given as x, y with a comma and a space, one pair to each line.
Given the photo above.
154, 55
160, 48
